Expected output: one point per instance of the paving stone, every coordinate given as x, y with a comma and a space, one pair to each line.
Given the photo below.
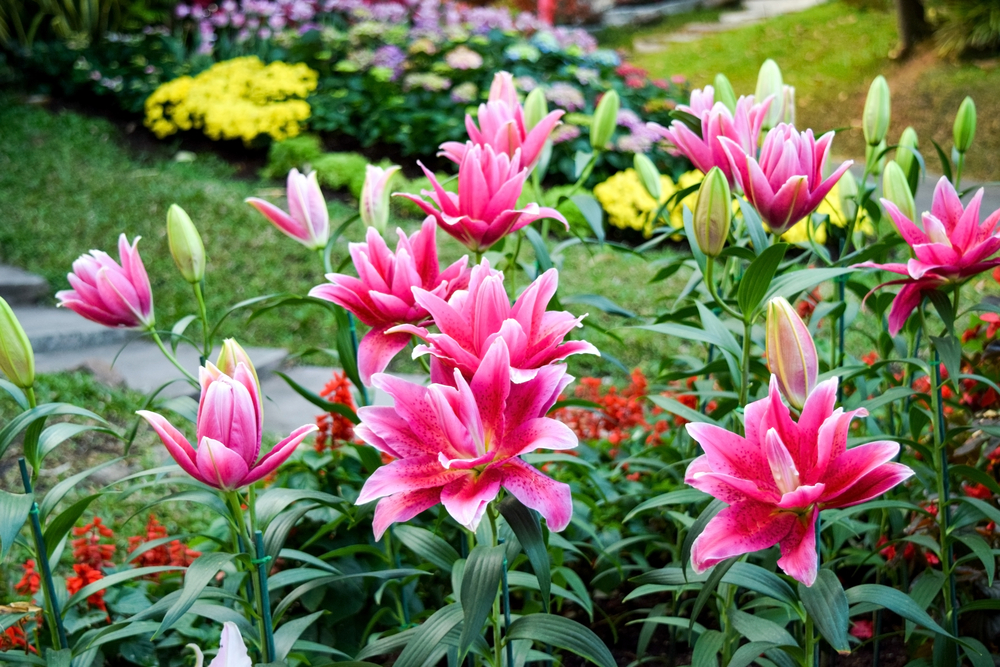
18, 287
58, 329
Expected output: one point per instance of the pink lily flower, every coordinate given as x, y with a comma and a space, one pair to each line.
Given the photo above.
229, 426
483, 211
459, 445
779, 477
717, 122
308, 220
786, 183
109, 293
471, 320
702, 101
382, 294
952, 246
502, 126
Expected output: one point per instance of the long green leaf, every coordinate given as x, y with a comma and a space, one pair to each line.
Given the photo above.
790, 284
826, 602
59, 491
675, 407
760, 629
895, 601
114, 580
276, 500
528, 529
480, 587
198, 575
563, 633
706, 649
680, 497
61, 524
318, 400
757, 579
21, 421
983, 552
286, 636
427, 545
758, 277
748, 653
14, 509
59, 433
429, 636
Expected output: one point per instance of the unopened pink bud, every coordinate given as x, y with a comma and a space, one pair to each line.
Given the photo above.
791, 352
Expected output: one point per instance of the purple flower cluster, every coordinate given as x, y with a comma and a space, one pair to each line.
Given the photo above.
390, 57
565, 96
642, 136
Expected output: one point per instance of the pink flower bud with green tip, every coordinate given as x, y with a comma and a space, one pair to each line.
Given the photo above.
308, 220
374, 203
109, 293
485, 208
229, 427
458, 445
778, 478
785, 184
791, 352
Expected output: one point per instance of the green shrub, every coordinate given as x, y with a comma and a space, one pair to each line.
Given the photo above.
297, 152
342, 171
966, 26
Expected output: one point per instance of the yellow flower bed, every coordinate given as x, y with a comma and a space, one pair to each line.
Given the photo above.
236, 99
630, 206
830, 207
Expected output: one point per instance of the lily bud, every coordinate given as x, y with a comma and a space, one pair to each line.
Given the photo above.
649, 176
847, 191
896, 189
535, 108
788, 105
230, 356
724, 92
17, 359
502, 89
605, 120
185, 244
906, 156
712, 213
964, 130
791, 352
875, 121
769, 84
374, 204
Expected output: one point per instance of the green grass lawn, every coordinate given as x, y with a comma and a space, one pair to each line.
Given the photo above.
830, 53
70, 184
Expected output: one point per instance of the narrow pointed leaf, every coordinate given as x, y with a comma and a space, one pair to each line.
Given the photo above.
528, 529
826, 602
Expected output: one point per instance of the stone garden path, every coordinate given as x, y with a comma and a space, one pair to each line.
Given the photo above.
752, 11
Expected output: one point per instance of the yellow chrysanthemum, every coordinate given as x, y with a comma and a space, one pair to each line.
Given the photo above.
237, 99
630, 206
830, 206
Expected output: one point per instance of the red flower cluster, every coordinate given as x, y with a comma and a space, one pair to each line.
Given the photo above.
862, 629
31, 581
806, 306
620, 412
335, 428
85, 575
174, 553
13, 638
87, 548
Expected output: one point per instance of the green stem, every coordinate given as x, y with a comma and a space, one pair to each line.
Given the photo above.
41, 553
728, 631
710, 284
203, 313
745, 371
512, 264
941, 474
401, 612
810, 643
584, 175
959, 166
495, 614
258, 601
171, 358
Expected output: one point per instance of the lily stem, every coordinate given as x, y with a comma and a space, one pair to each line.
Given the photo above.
258, 599
52, 610
205, 331
171, 358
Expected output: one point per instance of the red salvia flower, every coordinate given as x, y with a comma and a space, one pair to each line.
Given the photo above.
13, 638
88, 549
30, 580
335, 428
862, 629
181, 555
158, 555
85, 575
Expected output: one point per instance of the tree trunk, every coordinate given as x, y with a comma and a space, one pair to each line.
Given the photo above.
913, 26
